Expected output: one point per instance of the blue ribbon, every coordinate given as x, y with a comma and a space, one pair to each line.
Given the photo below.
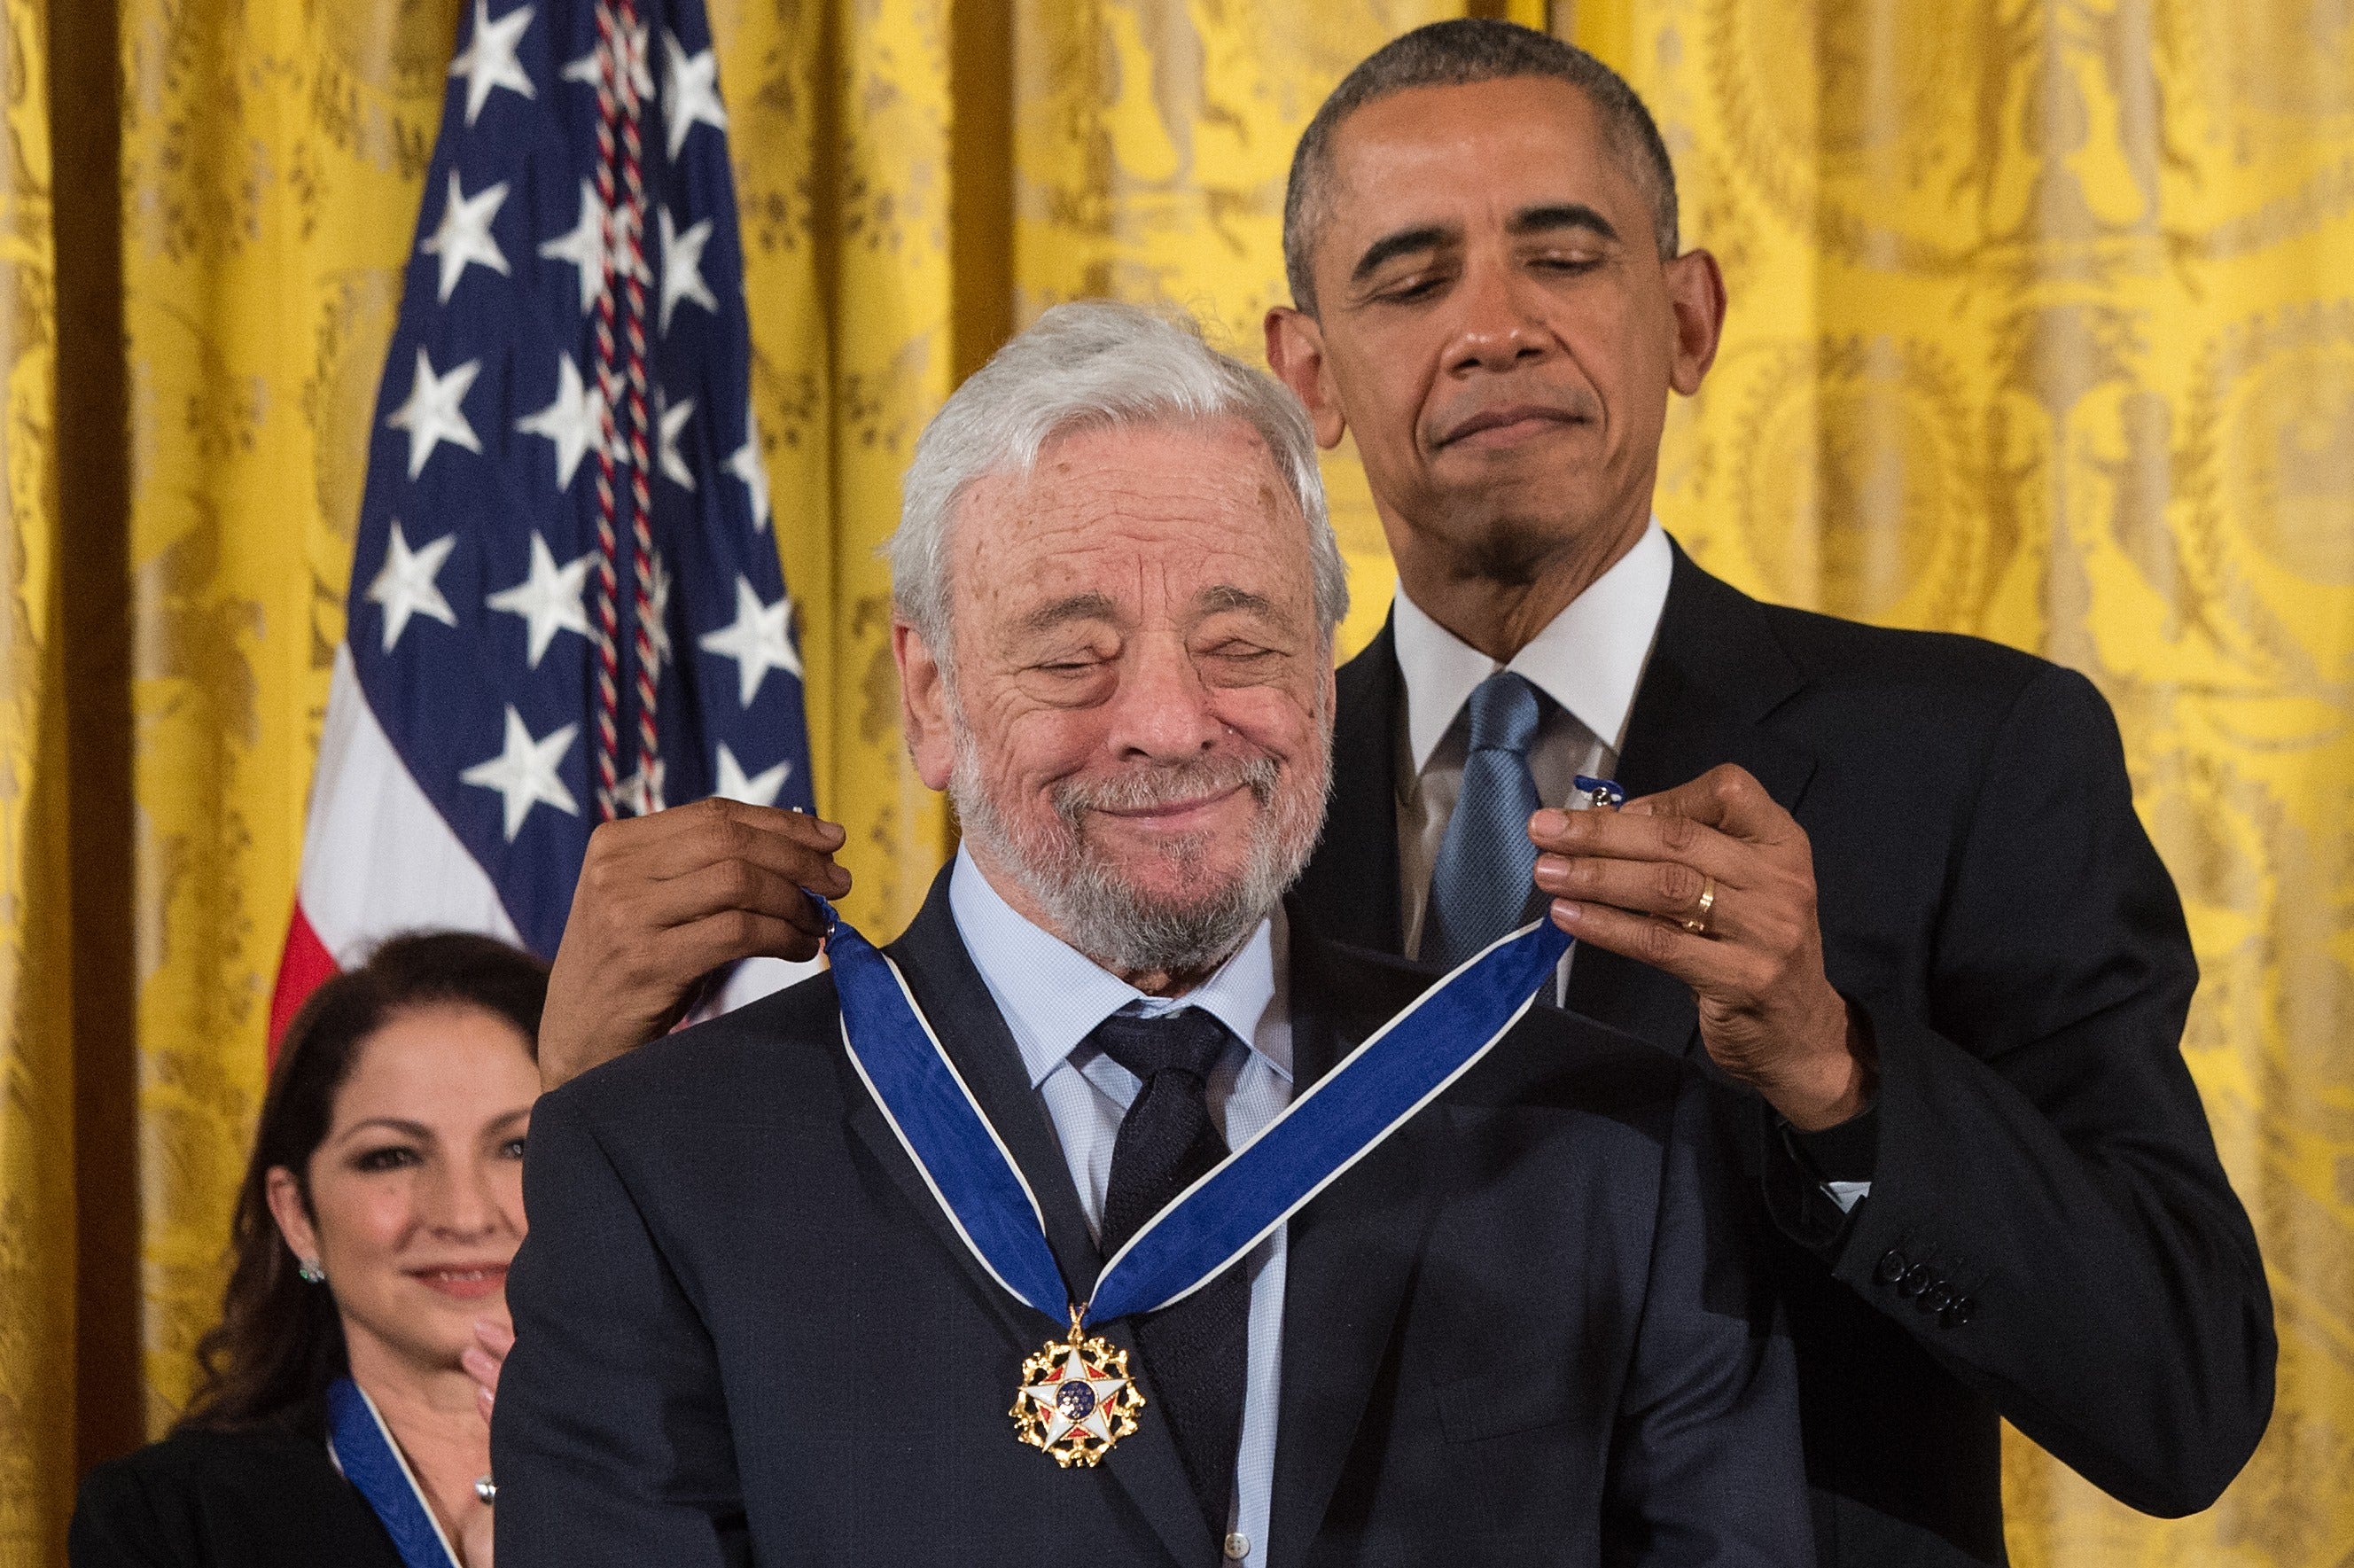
1607, 794
364, 1449
1342, 1117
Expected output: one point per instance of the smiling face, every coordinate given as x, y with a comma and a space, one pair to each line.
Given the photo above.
1137, 736
1495, 325
416, 1193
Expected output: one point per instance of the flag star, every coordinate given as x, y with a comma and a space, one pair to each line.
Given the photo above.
745, 463
523, 773
682, 267
760, 640
673, 467
434, 412
489, 62
575, 421
590, 68
633, 795
759, 789
694, 96
658, 604
404, 585
464, 235
548, 599
586, 247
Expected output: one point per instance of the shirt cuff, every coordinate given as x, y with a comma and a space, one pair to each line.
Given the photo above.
1815, 1189
1848, 1195
1843, 1154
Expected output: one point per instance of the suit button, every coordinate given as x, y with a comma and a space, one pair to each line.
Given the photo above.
1936, 1298
1237, 1546
1917, 1279
1891, 1267
1963, 1309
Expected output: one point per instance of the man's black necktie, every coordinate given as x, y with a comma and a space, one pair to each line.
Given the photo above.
1196, 1352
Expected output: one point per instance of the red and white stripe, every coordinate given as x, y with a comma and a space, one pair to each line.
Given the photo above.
377, 858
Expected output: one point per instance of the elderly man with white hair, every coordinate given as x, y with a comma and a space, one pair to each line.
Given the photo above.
1109, 1215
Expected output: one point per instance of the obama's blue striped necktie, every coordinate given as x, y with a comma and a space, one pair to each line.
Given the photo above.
1480, 887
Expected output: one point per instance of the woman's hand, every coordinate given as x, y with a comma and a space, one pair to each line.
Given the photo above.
483, 1360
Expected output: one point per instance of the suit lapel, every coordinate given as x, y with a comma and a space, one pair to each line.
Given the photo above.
1351, 888
956, 999
1351, 1259
1716, 672
939, 971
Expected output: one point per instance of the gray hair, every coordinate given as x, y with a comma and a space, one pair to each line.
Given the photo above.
1091, 365
1458, 54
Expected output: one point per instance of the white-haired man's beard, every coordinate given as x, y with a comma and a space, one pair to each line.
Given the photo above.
1106, 915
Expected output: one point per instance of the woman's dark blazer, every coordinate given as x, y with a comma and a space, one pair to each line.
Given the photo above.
251, 1500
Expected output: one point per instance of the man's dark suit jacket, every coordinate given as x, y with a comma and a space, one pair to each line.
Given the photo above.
2049, 1235
1520, 1331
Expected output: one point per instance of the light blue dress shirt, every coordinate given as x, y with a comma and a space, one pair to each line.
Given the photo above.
1052, 997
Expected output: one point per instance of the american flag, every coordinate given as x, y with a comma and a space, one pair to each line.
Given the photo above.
565, 599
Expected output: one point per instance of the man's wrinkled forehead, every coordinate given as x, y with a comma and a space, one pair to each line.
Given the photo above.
1052, 611
1199, 508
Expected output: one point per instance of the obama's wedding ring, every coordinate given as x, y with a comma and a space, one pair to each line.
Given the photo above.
1698, 924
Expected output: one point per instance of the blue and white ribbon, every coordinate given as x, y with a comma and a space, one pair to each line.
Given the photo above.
1343, 1116
372, 1461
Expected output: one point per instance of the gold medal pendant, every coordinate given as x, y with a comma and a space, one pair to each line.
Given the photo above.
1077, 1398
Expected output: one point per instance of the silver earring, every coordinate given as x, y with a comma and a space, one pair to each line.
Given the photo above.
307, 1269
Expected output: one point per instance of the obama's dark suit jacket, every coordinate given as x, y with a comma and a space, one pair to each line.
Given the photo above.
1520, 1331
2049, 1235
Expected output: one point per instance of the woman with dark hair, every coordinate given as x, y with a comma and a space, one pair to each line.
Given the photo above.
342, 1414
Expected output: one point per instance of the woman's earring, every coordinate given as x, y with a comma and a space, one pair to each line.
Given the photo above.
307, 1269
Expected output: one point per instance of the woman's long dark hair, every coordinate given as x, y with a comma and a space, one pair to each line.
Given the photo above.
280, 1343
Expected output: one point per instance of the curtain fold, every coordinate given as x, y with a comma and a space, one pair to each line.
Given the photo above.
2041, 331
272, 159
37, 1072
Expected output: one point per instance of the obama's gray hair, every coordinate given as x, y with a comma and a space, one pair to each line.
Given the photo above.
1092, 365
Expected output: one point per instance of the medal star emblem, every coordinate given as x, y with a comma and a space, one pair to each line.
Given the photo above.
1076, 1399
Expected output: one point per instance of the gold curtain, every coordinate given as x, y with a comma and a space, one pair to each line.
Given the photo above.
2041, 330
37, 1071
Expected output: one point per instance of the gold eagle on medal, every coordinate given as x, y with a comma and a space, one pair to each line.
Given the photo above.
1076, 1399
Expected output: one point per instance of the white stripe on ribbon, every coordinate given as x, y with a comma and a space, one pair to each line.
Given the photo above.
1531, 953
1057, 1312
399, 1529
1338, 1075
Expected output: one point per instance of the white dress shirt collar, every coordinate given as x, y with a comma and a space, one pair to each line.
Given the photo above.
1053, 995
1589, 657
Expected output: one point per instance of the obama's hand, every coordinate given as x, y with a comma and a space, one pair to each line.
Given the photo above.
665, 899
1714, 883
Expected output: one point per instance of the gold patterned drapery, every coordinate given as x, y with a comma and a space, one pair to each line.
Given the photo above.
37, 1072
2041, 329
